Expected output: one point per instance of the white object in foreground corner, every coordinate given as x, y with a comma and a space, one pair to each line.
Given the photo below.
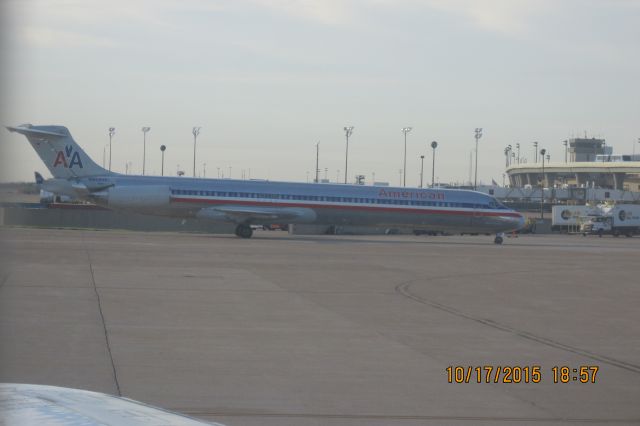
22, 404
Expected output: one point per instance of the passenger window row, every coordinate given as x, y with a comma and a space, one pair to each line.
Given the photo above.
332, 199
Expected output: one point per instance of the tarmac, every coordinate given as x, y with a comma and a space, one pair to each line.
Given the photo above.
327, 330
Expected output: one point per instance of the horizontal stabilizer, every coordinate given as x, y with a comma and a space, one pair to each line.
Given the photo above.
28, 131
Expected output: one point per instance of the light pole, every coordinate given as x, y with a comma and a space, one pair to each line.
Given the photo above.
112, 131
506, 156
405, 130
434, 145
162, 149
144, 147
204, 170
104, 156
478, 135
542, 153
518, 148
196, 132
566, 149
421, 169
535, 152
348, 130
317, 159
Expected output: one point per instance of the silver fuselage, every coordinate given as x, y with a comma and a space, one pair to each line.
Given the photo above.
430, 209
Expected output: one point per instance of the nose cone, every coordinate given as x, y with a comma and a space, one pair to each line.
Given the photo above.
517, 220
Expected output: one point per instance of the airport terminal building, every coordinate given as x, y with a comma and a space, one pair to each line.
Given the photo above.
588, 163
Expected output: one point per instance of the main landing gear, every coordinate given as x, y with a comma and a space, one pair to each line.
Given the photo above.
244, 231
499, 238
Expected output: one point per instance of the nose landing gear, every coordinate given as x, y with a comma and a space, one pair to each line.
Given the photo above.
244, 231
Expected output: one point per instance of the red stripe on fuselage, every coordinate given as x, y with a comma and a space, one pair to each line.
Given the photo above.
475, 213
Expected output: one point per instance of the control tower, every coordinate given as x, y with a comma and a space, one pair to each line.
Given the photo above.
583, 149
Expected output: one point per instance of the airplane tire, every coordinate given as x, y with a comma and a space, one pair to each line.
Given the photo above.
244, 231
498, 240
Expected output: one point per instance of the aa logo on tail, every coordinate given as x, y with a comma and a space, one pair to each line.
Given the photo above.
68, 158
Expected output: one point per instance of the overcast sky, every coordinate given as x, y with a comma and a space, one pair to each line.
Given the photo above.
267, 79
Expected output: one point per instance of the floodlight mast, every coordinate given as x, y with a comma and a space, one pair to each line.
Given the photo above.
542, 153
434, 145
112, 131
144, 147
478, 135
162, 149
348, 131
405, 130
317, 160
196, 132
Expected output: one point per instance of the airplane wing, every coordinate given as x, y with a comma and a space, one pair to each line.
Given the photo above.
22, 404
257, 214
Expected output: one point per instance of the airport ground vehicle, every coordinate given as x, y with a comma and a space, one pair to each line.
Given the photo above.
623, 219
567, 218
245, 203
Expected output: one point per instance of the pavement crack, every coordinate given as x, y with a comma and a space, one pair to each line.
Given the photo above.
404, 290
104, 325
402, 417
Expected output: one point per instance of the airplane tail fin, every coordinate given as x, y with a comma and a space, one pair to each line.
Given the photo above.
60, 153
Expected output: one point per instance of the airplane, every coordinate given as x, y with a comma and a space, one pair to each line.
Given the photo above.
244, 203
